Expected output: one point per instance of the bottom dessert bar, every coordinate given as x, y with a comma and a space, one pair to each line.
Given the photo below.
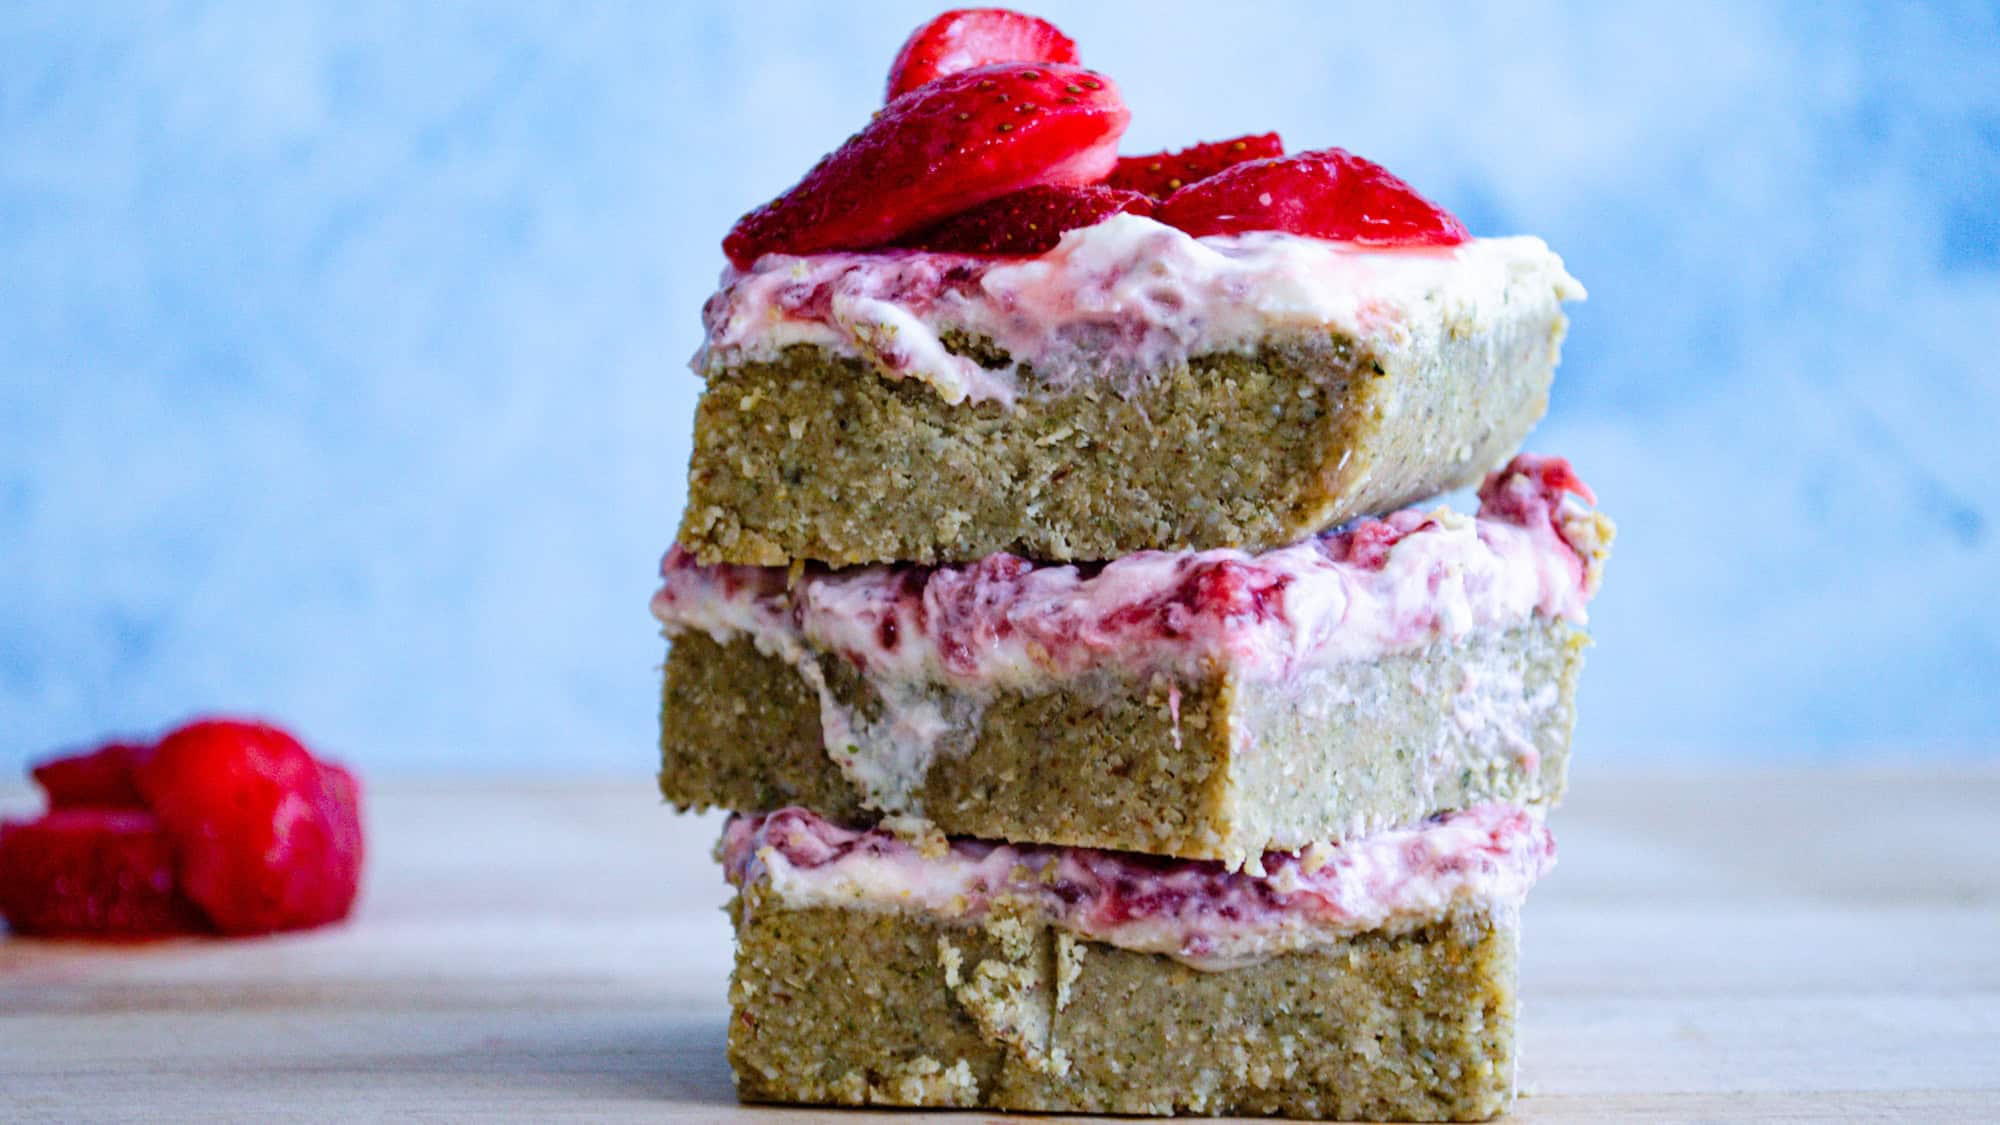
874, 971
849, 1007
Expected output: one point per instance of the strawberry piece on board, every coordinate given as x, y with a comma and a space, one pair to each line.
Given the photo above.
103, 778
93, 872
267, 837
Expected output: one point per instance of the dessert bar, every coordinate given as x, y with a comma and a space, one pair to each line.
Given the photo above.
1207, 705
1370, 981
1134, 388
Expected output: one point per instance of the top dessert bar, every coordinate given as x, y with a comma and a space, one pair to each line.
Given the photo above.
1135, 387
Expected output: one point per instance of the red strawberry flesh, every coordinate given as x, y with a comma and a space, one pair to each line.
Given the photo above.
345, 791
972, 37
941, 149
267, 837
92, 873
1329, 194
1160, 174
102, 778
1030, 221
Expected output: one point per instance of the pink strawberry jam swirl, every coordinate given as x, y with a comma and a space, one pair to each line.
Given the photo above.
1118, 300
1479, 859
1374, 587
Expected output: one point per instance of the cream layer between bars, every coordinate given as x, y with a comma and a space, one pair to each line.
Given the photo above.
1200, 913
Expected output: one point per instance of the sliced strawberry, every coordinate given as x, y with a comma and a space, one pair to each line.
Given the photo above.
946, 147
970, 37
345, 789
92, 873
267, 838
1160, 174
102, 778
1329, 194
1029, 221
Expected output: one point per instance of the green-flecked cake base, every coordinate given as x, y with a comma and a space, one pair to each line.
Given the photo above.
816, 456
845, 1007
1216, 767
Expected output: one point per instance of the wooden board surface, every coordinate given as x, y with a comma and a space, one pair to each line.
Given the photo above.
1792, 945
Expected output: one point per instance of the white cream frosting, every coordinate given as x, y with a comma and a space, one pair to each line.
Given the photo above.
1482, 859
1118, 300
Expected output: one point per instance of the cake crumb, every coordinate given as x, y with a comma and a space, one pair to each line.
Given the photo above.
1315, 857
920, 833
952, 960
1069, 966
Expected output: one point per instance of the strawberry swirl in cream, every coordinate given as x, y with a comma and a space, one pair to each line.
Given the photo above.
1116, 300
1373, 587
1481, 859
936, 643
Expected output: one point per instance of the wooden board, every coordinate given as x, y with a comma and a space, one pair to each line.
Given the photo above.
1781, 944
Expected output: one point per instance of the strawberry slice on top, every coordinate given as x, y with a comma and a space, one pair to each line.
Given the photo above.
1331, 194
1026, 222
1160, 174
943, 148
971, 37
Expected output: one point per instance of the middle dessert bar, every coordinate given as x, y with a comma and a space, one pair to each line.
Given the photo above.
1211, 705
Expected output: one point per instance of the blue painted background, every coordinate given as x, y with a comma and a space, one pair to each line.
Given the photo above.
342, 345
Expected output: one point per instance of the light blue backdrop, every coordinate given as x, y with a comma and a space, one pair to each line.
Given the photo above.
342, 345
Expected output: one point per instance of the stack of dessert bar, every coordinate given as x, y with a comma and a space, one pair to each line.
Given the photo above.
1106, 730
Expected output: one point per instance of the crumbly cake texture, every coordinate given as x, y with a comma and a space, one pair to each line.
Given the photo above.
815, 456
850, 1007
1212, 767
1136, 389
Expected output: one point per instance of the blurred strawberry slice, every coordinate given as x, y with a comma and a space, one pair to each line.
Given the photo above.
345, 791
970, 37
1160, 174
1329, 194
267, 837
946, 147
92, 873
102, 778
